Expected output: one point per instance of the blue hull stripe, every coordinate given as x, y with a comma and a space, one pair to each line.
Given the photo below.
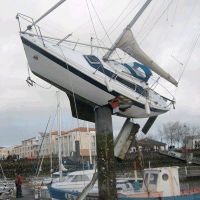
62, 195
80, 74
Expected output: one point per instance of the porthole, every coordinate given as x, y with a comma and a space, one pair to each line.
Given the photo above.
35, 57
165, 177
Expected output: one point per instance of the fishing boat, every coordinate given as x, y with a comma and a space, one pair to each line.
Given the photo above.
75, 182
158, 183
97, 81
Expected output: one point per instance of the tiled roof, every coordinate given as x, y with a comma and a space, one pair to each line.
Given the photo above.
81, 129
17, 146
28, 139
192, 137
150, 142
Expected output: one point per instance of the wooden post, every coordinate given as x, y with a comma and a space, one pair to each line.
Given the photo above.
105, 153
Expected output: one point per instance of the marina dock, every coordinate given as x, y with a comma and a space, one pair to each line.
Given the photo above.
28, 193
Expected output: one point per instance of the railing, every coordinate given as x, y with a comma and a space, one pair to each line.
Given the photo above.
30, 21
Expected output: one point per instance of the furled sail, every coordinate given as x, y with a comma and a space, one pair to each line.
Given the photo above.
128, 44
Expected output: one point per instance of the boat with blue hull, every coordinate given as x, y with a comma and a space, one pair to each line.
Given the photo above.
158, 183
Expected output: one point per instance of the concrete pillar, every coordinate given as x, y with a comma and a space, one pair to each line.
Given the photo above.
105, 153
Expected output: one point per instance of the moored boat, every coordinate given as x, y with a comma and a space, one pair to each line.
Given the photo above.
158, 183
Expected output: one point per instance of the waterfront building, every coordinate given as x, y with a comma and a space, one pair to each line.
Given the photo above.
3, 152
192, 142
148, 144
45, 144
87, 142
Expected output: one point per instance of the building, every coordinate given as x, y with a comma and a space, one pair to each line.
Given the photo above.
192, 142
148, 144
3, 152
29, 148
17, 151
87, 142
47, 144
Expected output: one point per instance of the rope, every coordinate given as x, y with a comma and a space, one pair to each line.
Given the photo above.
71, 85
31, 82
47, 88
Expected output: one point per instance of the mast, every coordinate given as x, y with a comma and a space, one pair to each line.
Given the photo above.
51, 164
89, 146
129, 26
59, 133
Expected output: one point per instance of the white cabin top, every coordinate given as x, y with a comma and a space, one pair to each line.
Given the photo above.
164, 180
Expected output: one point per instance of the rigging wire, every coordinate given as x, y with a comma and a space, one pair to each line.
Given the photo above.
127, 6
101, 22
145, 21
154, 24
124, 18
103, 26
71, 85
40, 162
174, 16
93, 24
189, 55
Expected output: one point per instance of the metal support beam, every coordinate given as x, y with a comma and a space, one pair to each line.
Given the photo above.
125, 138
105, 154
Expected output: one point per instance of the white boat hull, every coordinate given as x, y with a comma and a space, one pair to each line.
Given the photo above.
84, 83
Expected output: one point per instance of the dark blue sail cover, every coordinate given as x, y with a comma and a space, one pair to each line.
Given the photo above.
136, 68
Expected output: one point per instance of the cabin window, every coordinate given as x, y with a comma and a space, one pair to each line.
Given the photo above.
153, 179
146, 179
165, 177
78, 178
93, 59
119, 189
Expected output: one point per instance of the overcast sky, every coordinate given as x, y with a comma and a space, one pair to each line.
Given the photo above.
169, 36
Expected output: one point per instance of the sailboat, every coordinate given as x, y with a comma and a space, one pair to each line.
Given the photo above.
97, 81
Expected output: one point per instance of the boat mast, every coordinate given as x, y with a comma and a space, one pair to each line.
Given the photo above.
89, 143
59, 133
129, 26
51, 163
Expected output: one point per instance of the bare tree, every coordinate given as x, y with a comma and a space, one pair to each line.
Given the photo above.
175, 132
